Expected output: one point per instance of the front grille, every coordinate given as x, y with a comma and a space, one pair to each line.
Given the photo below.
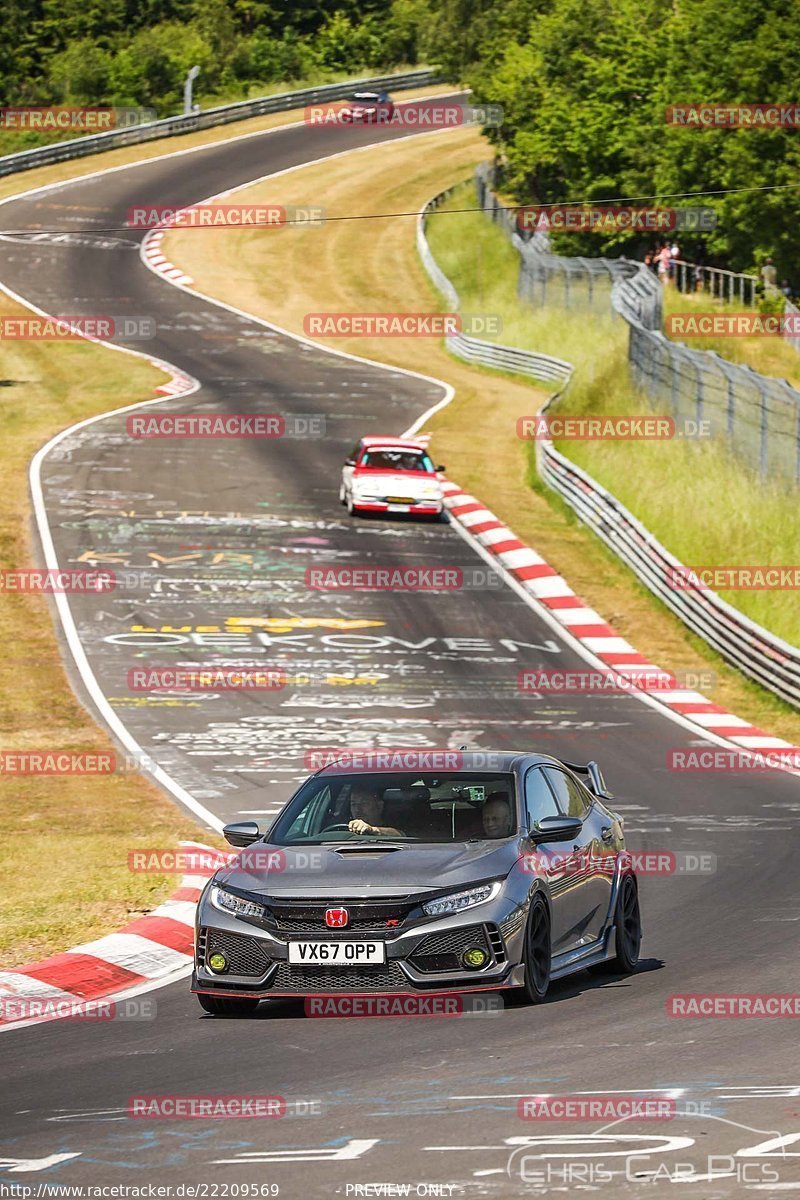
245, 955
310, 918
386, 978
442, 951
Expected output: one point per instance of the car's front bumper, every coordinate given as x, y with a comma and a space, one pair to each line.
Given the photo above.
424, 959
415, 507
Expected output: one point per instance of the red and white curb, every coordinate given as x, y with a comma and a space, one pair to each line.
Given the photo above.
148, 952
153, 253
550, 590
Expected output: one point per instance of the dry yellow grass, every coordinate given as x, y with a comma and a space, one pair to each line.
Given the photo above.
373, 266
63, 853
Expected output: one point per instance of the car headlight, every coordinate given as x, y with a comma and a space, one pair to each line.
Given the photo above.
461, 900
229, 903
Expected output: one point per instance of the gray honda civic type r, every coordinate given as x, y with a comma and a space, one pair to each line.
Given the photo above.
421, 872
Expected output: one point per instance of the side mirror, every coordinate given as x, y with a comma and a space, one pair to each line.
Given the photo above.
441, 467
349, 462
556, 829
241, 833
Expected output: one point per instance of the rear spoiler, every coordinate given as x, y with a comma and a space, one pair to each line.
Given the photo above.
591, 770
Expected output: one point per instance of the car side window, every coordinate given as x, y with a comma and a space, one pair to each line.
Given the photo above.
572, 799
539, 799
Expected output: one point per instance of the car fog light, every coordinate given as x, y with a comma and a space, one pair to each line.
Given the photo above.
217, 962
474, 958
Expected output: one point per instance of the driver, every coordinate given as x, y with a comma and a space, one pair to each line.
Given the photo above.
496, 815
366, 809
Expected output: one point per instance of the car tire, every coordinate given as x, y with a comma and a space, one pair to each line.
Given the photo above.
342, 494
349, 502
628, 924
227, 1006
538, 952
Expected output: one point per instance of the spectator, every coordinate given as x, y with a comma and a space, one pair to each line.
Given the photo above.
786, 288
662, 258
769, 276
674, 255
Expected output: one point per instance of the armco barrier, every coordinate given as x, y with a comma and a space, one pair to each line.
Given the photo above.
475, 350
761, 655
42, 156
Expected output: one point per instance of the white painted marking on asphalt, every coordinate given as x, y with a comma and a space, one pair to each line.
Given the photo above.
24, 1165
355, 1148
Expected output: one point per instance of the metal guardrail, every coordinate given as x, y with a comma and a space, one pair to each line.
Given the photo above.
758, 415
718, 282
476, 350
39, 156
759, 654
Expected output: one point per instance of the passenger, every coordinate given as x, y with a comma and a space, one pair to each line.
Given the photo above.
496, 816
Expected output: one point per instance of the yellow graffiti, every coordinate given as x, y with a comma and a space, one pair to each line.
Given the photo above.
286, 624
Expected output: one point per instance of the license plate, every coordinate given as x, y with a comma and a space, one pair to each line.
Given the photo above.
399, 500
340, 954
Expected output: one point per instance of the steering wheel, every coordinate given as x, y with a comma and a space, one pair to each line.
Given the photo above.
341, 825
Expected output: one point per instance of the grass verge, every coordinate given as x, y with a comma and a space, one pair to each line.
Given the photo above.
329, 269
63, 855
725, 515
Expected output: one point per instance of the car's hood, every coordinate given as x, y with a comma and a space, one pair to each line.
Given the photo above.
397, 483
354, 869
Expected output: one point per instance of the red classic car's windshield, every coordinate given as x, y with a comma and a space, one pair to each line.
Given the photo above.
397, 460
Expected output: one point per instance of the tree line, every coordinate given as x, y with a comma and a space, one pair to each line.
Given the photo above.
585, 85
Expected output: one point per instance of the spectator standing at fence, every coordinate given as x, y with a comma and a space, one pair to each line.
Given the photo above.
769, 276
674, 255
663, 263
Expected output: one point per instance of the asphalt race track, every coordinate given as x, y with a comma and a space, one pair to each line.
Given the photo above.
213, 540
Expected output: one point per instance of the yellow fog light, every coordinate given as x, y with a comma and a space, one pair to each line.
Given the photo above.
474, 958
217, 962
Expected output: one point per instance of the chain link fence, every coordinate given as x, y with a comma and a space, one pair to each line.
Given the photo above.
757, 415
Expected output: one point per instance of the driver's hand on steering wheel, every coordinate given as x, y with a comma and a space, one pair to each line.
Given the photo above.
359, 826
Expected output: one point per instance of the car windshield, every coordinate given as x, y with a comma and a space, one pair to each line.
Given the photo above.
397, 460
388, 806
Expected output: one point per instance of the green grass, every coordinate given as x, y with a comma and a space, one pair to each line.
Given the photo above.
706, 507
767, 355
